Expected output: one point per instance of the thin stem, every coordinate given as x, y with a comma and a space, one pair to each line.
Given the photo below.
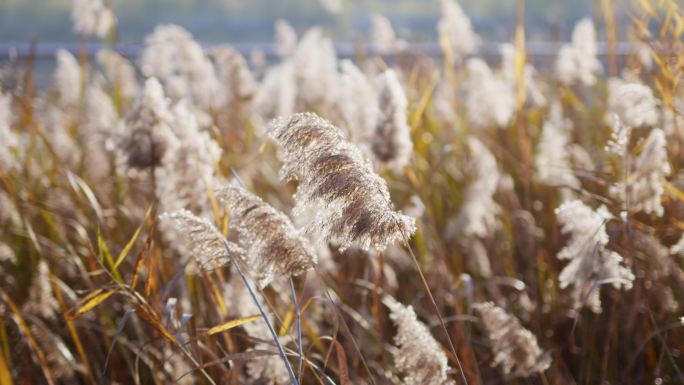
263, 314
346, 328
299, 329
434, 304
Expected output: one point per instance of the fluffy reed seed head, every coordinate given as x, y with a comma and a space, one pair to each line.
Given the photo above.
491, 99
274, 247
515, 348
456, 29
479, 213
148, 128
286, 38
92, 17
642, 189
67, 79
120, 73
203, 240
590, 261
633, 103
392, 140
577, 62
419, 357
383, 39
552, 160
353, 202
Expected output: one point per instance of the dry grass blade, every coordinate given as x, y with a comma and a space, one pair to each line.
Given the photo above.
95, 299
231, 324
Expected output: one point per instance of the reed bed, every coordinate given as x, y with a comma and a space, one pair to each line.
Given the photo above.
193, 217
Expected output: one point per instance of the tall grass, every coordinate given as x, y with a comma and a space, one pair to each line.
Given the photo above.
548, 245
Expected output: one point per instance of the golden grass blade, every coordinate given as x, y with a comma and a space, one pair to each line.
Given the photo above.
674, 191
5, 377
140, 261
231, 324
290, 316
21, 322
72, 328
92, 303
131, 242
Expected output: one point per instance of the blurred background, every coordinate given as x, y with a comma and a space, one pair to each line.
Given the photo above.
240, 21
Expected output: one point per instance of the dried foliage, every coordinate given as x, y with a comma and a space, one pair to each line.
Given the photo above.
544, 185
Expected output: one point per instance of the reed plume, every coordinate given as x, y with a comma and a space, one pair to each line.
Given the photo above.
202, 240
632, 102
456, 30
10, 145
591, 263
148, 127
419, 357
92, 18
515, 348
552, 160
491, 100
274, 247
642, 189
352, 201
392, 139
577, 62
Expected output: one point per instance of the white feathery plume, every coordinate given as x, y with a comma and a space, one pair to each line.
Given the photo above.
277, 92
515, 348
67, 79
237, 81
286, 38
533, 89
383, 39
201, 241
358, 104
633, 103
315, 66
478, 215
274, 247
10, 159
577, 62
353, 202
392, 143
148, 128
591, 263
455, 28
419, 357
120, 73
491, 100
178, 61
552, 159
619, 138
643, 188
187, 169
92, 18
56, 120
101, 129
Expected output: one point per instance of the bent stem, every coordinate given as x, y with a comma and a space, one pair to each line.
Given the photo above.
293, 379
298, 313
434, 304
